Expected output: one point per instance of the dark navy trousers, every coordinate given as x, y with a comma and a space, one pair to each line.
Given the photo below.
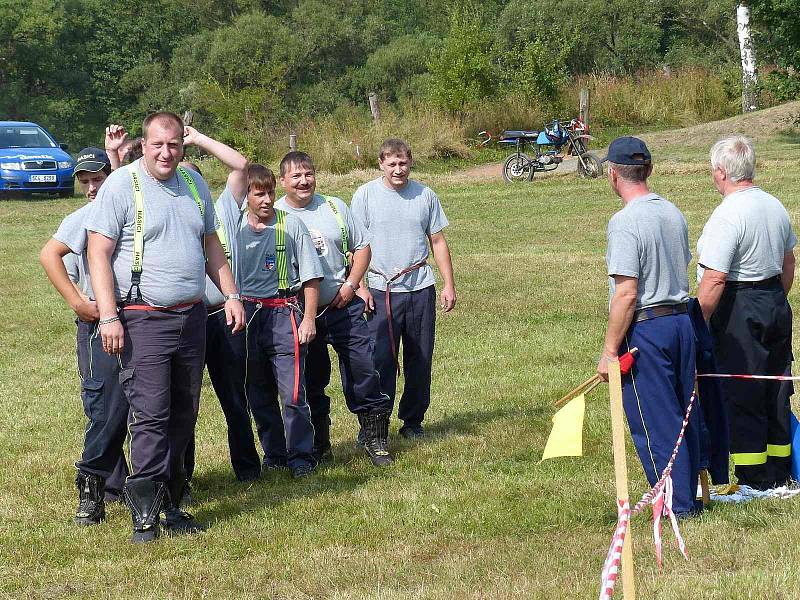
656, 395
345, 329
105, 406
752, 329
226, 354
275, 369
413, 324
162, 373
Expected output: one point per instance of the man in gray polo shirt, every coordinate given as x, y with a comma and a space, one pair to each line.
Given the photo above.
404, 218
648, 252
151, 242
746, 268
338, 237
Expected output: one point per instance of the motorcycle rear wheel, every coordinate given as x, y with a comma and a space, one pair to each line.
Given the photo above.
589, 166
518, 167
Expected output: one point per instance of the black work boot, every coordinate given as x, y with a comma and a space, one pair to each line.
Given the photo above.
91, 507
176, 521
145, 497
322, 438
375, 426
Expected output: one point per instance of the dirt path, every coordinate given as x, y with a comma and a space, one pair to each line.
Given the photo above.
495, 170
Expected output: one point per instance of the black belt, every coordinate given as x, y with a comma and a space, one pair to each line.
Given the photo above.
765, 283
665, 310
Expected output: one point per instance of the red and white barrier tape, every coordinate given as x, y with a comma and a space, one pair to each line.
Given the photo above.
767, 377
660, 497
613, 561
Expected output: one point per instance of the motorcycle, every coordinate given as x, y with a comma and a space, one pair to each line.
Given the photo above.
551, 145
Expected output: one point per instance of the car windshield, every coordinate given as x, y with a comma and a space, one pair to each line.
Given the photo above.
24, 136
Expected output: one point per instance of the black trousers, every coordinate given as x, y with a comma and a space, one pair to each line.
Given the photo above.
162, 372
226, 355
752, 329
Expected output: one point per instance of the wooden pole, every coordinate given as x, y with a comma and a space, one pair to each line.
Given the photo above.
621, 471
373, 106
583, 110
293, 142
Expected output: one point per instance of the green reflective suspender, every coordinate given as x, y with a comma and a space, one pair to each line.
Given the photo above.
223, 237
138, 235
138, 225
280, 252
340, 221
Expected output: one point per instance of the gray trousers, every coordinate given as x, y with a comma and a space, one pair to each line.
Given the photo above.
162, 372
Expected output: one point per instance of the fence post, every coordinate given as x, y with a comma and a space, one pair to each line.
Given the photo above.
293, 142
621, 471
583, 108
373, 106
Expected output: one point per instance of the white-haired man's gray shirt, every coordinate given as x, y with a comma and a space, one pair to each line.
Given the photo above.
746, 237
649, 240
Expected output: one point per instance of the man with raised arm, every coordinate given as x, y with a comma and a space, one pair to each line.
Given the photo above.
404, 219
152, 239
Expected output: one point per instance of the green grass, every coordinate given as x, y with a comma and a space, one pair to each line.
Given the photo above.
467, 513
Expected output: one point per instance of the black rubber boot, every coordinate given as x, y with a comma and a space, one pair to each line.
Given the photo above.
145, 497
322, 438
375, 426
91, 507
176, 521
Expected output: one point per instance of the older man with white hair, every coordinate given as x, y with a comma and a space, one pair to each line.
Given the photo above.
745, 268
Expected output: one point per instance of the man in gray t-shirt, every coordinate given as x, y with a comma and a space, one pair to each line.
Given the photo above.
746, 268
339, 240
404, 218
102, 469
648, 253
151, 243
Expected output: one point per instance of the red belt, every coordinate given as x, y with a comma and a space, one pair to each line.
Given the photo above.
161, 308
271, 302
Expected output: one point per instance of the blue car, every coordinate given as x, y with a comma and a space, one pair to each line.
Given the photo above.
32, 161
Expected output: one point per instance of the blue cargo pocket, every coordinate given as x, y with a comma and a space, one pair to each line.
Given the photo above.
94, 402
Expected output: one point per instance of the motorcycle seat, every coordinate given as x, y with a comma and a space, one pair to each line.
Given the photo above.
514, 134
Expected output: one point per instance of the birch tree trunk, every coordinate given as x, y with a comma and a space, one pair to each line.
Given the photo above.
747, 49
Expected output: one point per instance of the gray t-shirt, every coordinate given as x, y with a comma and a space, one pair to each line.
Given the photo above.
72, 233
230, 216
258, 265
746, 237
649, 240
326, 234
173, 264
399, 223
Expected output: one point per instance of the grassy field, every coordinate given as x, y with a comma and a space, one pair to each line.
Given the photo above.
466, 513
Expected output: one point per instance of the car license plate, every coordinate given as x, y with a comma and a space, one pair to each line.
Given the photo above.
42, 178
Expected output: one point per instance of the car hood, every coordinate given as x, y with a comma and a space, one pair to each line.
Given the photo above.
20, 154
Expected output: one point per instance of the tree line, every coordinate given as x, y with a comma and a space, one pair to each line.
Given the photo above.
247, 67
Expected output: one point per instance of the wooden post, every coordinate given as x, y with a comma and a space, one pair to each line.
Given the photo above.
583, 110
373, 106
621, 471
293, 142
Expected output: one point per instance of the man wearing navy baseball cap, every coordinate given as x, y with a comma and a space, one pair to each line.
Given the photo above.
647, 257
102, 468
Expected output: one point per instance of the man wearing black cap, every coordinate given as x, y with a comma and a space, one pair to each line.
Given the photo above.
647, 257
102, 467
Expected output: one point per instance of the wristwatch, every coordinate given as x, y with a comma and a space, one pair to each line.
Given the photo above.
233, 297
351, 284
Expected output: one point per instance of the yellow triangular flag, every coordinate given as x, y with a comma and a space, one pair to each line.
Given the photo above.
566, 438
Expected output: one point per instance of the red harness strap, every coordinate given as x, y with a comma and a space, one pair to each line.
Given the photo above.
388, 300
296, 391
271, 302
162, 308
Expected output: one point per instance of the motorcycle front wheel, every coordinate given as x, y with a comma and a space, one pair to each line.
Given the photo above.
589, 166
518, 167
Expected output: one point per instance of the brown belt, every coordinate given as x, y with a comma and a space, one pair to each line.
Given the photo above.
665, 310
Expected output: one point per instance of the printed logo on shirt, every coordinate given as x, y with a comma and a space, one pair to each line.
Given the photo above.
269, 262
252, 245
319, 242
